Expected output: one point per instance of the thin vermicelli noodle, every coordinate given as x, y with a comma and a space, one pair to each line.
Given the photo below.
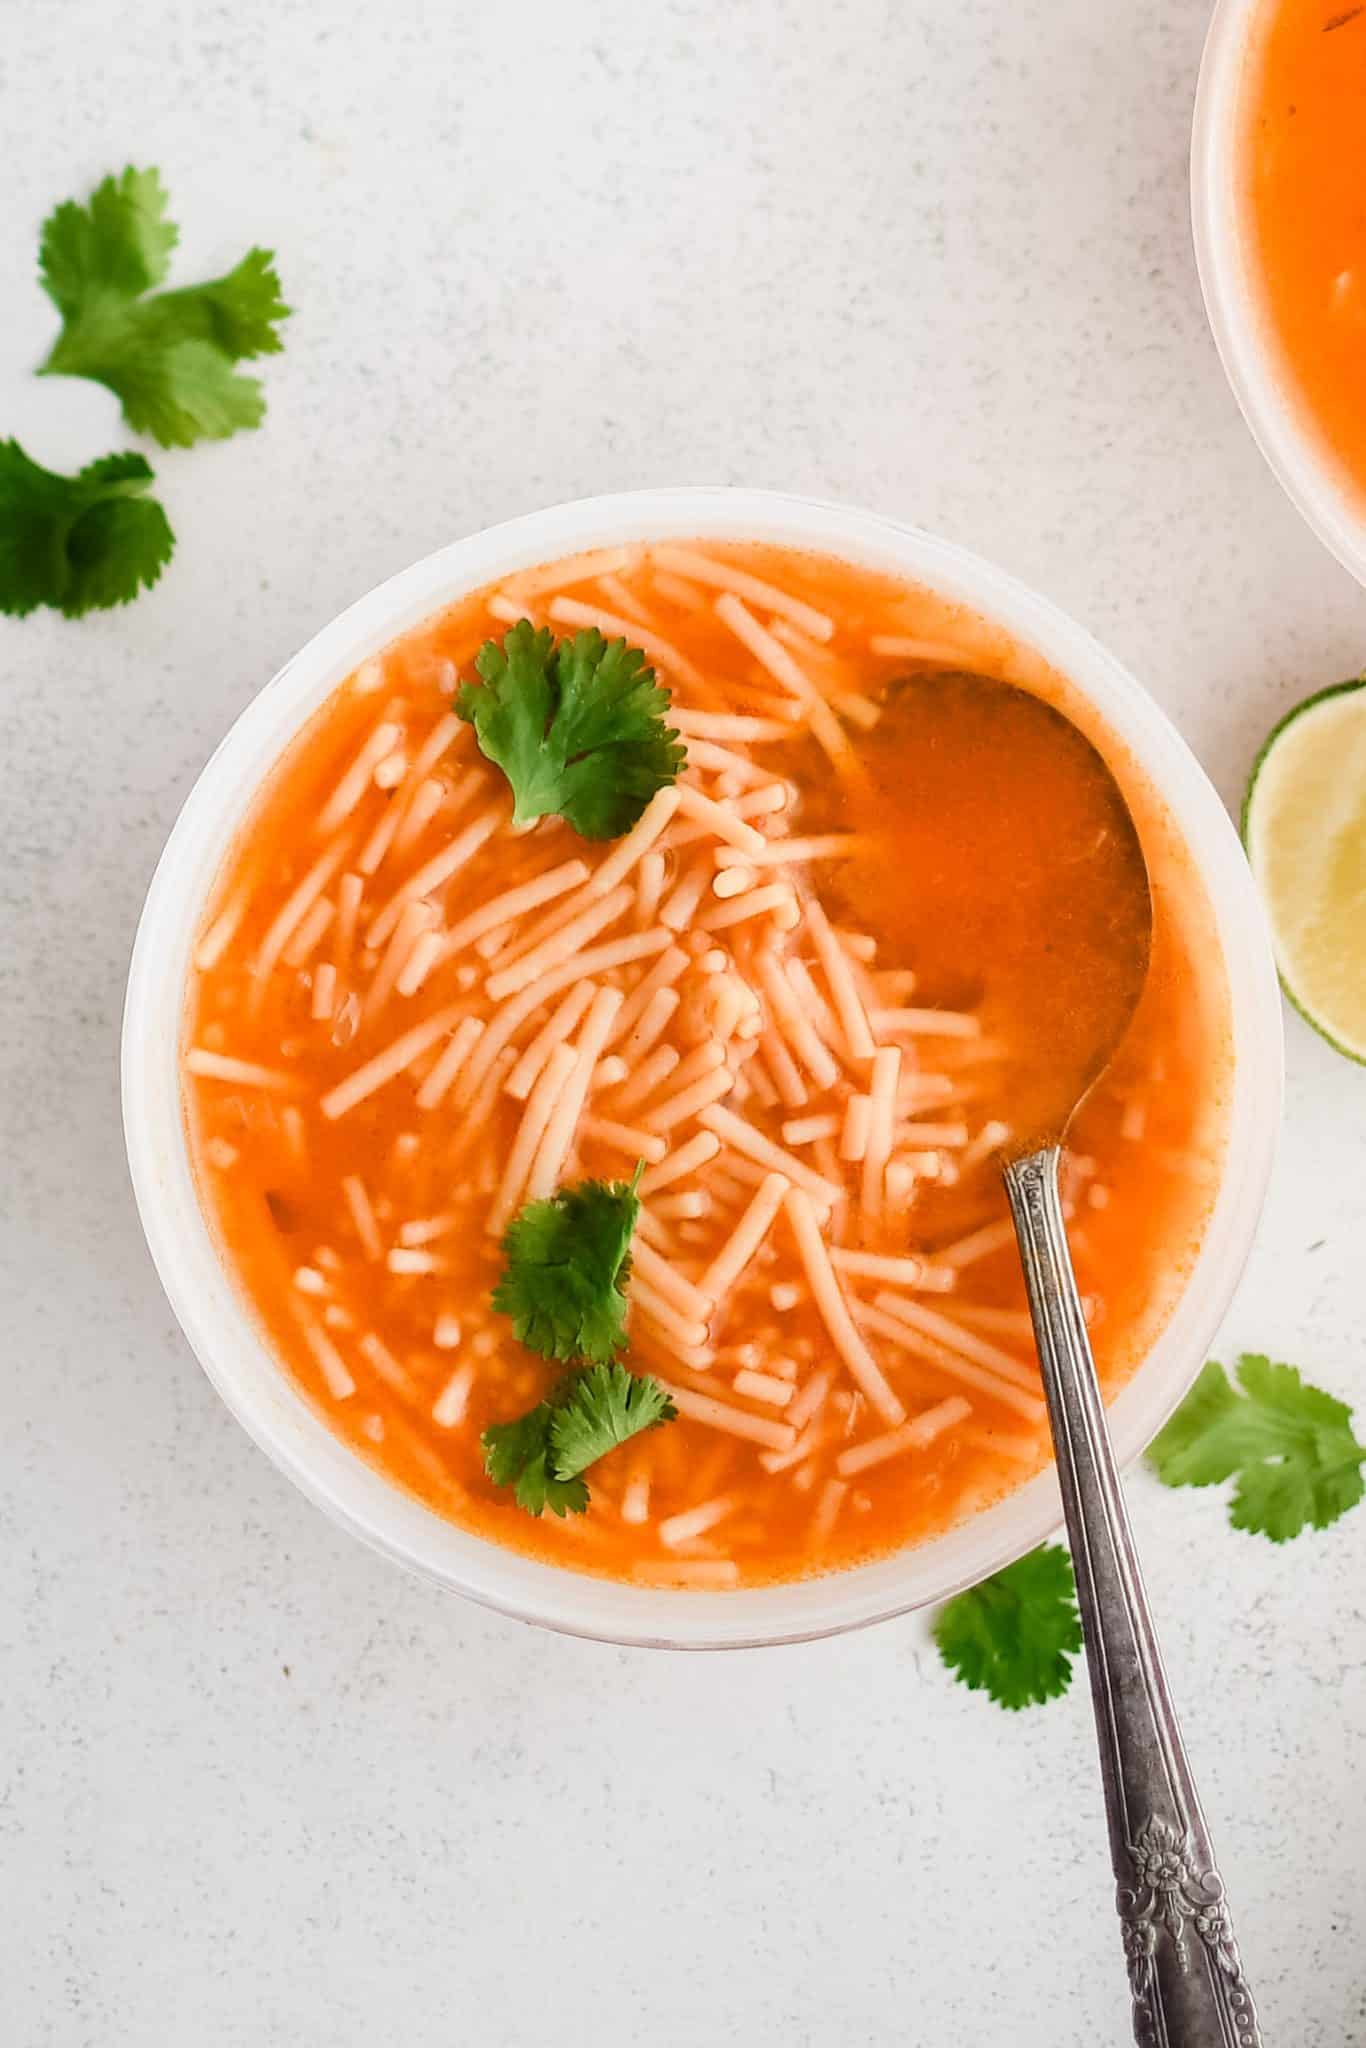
407, 1017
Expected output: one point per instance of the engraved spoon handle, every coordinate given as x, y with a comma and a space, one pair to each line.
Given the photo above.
1185, 1976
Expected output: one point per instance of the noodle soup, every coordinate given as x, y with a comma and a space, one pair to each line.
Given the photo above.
407, 1017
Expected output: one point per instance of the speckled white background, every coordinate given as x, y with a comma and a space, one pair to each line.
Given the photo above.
256, 1788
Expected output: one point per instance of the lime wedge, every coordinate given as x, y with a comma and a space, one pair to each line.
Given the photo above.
1304, 826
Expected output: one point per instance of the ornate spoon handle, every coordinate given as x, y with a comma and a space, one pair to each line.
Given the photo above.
1185, 1976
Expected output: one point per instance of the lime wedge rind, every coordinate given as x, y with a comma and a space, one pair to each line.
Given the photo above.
1300, 894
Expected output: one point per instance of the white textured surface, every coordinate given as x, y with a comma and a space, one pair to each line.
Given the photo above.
255, 1788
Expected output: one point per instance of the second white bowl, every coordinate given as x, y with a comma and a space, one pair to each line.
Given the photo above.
1234, 298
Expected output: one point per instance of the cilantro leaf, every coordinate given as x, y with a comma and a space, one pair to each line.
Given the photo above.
1205, 1440
78, 543
577, 726
120, 243
609, 1405
567, 1262
511, 712
167, 357
543, 1453
1290, 1447
1015, 1635
610, 728
518, 1454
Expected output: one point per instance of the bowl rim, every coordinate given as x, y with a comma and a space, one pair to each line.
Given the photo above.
1280, 423
234, 1352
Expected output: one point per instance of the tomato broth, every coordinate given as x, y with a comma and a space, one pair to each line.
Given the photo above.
1307, 179
406, 1017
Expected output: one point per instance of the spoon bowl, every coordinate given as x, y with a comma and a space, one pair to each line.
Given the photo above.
1058, 951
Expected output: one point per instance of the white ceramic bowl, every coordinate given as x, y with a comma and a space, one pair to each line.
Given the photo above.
223, 1334
1305, 465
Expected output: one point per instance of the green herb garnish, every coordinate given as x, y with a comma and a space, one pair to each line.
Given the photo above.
567, 1263
544, 1453
577, 726
166, 356
518, 1454
1015, 1635
1290, 1447
78, 543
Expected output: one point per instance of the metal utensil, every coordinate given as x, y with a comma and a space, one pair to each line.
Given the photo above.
1185, 1975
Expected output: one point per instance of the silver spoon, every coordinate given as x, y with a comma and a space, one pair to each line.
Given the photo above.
1087, 967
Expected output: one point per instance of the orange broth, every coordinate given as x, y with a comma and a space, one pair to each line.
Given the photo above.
352, 1202
1307, 174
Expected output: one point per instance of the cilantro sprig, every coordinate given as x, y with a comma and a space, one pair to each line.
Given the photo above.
167, 356
1014, 1636
543, 1454
1290, 1447
577, 726
567, 1261
78, 543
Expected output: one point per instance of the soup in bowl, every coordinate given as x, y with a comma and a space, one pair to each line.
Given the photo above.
1278, 165
439, 1018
